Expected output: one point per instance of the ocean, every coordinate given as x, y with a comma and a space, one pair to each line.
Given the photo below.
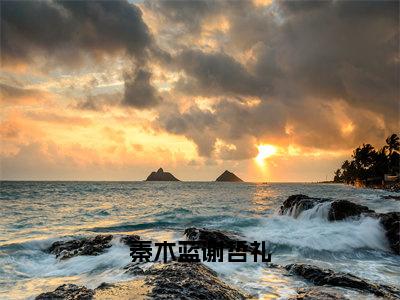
35, 214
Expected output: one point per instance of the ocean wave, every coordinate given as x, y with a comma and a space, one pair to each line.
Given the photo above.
317, 233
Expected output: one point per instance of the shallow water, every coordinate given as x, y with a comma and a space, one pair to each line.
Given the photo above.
34, 214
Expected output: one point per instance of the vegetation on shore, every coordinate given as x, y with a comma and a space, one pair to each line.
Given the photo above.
371, 165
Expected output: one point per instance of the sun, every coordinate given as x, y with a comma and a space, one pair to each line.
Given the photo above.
265, 151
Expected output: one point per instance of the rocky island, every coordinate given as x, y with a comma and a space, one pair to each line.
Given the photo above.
228, 176
160, 175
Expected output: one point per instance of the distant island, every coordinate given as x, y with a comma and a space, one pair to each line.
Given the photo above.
373, 168
160, 175
228, 176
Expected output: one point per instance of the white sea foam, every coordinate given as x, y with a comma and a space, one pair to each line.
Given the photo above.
311, 230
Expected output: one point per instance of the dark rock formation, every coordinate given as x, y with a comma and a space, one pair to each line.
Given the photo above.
105, 285
189, 281
134, 268
295, 204
222, 238
339, 210
318, 293
391, 224
320, 276
86, 246
162, 281
130, 239
343, 209
160, 175
217, 237
394, 197
228, 176
68, 292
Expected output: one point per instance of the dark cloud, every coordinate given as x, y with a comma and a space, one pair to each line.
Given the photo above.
215, 74
198, 125
71, 31
68, 30
189, 14
139, 92
307, 56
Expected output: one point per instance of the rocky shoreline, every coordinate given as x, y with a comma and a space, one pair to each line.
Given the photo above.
343, 209
178, 280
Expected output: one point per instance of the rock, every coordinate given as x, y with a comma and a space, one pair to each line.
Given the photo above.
105, 285
160, 175
189, 281
320, 276
228, 176
134, 268
318, 293
394, 197
343, 209
172, 280
339, 209
296, 204
223, 238
391, 223
68, 292
86, 246
130, 239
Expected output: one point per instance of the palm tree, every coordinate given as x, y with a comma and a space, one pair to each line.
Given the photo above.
393, 144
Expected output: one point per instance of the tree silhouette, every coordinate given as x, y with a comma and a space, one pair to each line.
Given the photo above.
369, 164
393, 144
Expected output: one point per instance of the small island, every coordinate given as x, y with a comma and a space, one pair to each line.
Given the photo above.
228, 176
160, 175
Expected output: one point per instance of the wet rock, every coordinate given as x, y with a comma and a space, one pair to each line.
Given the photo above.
228, 176
134, 268
318, 293
68, 292
130, 239
160, 175
189, 281
343, 209
391, 224
217, 237
394, 197
320, 277
223, 238
339, 209
105, 285
85, 246
295, 204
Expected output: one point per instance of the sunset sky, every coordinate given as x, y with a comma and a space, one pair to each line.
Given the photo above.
271, 90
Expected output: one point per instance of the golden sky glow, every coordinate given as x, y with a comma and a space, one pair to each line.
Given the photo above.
264, 152
193, 88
